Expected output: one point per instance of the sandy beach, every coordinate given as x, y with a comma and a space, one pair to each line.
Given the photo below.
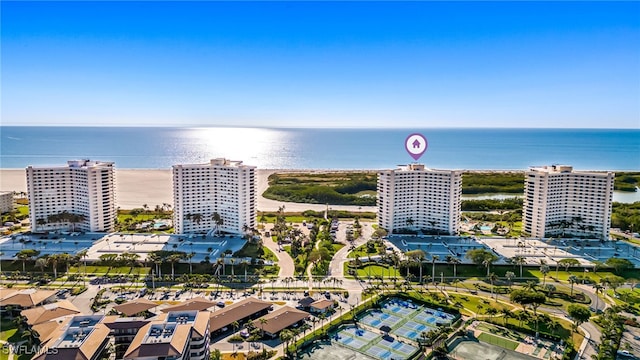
154, 187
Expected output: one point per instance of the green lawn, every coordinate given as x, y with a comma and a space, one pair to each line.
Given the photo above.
498, 340
269, 255
502, 331
23, 210
337, 246
102, 270
377, 270
564, 275
7, 331
6, 334
477, 304
296, 219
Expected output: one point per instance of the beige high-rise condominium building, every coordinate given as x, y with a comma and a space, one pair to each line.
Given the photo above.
560, 201
79, 195
219, 195
414, 197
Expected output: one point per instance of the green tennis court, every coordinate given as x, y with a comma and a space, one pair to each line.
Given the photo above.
499, 341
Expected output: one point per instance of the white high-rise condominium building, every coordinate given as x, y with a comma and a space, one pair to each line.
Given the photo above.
6, 201
82, 191
559, 201
222, 187
417, 198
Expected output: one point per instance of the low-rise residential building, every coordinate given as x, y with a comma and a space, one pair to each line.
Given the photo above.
178, 335
123, 330
271, 324
321, 306
25, 299
305, 303
197, 304
241, 312
135, 306
49, 312
83, 337
47, 329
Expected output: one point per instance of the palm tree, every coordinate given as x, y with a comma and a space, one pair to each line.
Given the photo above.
492, 278
506, 314
21, 322
531, 285
217, 219
434, 258
322, 318
572, 280
263, 321
521, 316
492, 312
409, 222
553, 325
487, 263
41, 263
31, 336
453, 261
173, 259
76, 219
53, 261
40, 222
510, 275
598, 289
455, 283
245, 265
544, 269
190, 256
285, 336
196, 218
26, 254
519, 260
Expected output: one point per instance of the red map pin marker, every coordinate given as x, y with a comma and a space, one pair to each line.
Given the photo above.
416, 145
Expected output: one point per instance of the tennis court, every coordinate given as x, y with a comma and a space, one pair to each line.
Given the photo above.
405, 318
396, 347
391, 349
372, 344
330, 351
378, 352
376, 318
498, 340
473, 350
355, 338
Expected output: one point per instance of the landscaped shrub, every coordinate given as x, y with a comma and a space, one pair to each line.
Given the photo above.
78, 290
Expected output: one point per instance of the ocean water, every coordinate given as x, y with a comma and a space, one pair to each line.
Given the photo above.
276, 148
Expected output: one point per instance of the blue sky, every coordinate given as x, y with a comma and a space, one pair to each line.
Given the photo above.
322, 64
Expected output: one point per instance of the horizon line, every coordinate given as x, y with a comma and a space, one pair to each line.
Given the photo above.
196, 126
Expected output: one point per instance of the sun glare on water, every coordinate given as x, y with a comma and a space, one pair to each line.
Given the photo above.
254, 146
